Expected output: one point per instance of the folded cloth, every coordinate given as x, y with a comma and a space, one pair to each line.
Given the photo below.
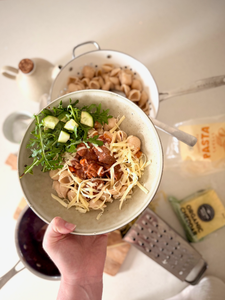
209, 288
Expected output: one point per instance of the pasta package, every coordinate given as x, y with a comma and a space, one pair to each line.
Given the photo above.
208, 155
210, 145
200, 214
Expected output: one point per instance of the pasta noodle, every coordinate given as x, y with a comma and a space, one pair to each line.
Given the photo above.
72, 80
125, 89
60, 189
114, 80
121, 136
136, 85
107, 67
115, 72
85, 82
72, 87
64, 177
54, 174
88, 72
106, 86
143, 99
134, 95
94, 84
126, 78
109, 77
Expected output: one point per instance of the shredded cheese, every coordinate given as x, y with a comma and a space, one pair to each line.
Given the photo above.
117, 124
142, 187
63, 202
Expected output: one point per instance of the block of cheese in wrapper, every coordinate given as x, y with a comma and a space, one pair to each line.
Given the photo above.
200, 213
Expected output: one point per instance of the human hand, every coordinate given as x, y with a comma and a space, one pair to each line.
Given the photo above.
80, 260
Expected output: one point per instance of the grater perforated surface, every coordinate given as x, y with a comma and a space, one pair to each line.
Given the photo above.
155, 238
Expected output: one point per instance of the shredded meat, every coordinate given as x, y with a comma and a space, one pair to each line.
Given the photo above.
93, 162
104, 155
117, 172
78, 172
106, 138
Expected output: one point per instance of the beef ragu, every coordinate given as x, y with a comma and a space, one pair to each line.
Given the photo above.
94, 162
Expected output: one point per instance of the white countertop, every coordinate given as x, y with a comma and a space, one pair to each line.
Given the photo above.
179, 42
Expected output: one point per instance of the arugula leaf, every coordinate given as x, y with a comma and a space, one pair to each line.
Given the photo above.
45, 148
95, 141
101, 117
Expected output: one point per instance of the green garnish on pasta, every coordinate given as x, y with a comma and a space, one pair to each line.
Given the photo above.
44, 144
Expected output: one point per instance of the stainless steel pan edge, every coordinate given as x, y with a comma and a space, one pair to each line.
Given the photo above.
13, 271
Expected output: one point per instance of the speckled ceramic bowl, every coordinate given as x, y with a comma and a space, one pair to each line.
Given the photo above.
37, 188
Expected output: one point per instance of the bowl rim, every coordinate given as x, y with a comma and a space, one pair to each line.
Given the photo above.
144, 116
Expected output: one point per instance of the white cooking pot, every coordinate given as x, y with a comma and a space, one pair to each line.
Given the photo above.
97, 58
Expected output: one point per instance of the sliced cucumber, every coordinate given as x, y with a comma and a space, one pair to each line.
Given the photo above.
63, 137
50, 122
86, 119
70, 125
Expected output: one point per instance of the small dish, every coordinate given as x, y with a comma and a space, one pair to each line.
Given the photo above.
15, 125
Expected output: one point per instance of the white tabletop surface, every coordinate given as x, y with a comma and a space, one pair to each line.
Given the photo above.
179, 42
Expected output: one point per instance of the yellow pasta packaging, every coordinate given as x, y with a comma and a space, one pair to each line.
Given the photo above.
200, 214
208, 155
210, 145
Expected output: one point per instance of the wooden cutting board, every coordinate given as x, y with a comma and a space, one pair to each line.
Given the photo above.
117, 251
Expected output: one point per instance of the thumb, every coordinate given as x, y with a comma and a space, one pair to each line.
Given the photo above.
57, 230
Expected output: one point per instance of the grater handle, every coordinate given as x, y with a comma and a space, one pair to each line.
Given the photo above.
199, 275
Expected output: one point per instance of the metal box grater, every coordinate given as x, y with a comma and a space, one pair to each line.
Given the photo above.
151, 235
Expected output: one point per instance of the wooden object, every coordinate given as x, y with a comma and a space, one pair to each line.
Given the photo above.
117, 251
12, 161
19, 208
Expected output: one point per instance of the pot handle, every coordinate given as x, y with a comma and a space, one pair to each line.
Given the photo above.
194, 87
5, 72
5, 278
85, 43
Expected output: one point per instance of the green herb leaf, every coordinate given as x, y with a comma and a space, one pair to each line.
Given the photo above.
95, 141
45, 148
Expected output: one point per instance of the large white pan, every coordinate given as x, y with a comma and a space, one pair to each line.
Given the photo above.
99, 57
